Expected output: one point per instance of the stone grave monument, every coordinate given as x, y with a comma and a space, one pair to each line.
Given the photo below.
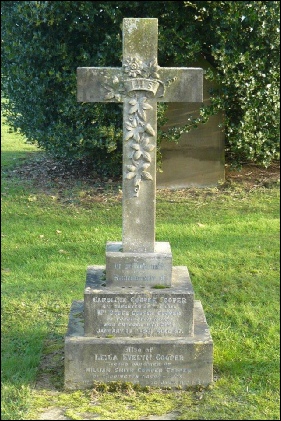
139, 321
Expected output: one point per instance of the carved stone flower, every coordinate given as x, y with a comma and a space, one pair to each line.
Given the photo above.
142, 149
139, 106
138, 172
151, 70
133, 67
114, 89
134, 130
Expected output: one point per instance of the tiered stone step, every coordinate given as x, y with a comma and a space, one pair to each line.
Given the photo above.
138, 311
148, 336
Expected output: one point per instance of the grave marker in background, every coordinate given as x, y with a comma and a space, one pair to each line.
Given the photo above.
198, 158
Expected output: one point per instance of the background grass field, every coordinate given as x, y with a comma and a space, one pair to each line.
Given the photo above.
54, 225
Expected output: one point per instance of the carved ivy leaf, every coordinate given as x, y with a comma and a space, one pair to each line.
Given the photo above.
146, 175
136, 135
133, 109
142, 107
130, 175
149, 147
142, 114
129, 135
146, 156
146, 106
118, 98
146, 145
145, 140
109, 95
133, 130
131, 168
145, 165
137, 155
114, 89
149, 129
152, 69
130, 125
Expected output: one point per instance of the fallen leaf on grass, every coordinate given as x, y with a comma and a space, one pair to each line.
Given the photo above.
32, 198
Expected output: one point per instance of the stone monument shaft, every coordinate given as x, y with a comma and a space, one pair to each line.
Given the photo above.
140, 83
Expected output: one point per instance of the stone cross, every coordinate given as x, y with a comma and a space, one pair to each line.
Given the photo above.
140, 83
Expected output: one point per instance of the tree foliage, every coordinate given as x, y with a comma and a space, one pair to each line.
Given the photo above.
43, 42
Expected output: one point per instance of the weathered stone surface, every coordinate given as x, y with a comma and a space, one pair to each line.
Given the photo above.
140, 38
92, 83
133, 269
139, 175
127, 328
140, 83
162, 362
140, 311
197, 159
187, 85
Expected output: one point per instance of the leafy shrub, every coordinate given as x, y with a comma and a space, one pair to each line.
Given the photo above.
44, 42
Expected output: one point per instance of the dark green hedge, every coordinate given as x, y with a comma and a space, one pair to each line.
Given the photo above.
43, 42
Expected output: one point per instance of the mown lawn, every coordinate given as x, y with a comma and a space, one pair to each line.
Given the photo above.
54, 227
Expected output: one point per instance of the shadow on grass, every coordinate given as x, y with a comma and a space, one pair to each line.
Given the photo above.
51, 368
13, 159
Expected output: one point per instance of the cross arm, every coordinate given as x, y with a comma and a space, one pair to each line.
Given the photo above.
98, 84
182, 84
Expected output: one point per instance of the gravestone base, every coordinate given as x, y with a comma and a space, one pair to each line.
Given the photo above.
120, 310
169, 362
169, 344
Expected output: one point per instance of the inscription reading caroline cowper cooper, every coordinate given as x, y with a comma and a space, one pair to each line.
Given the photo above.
139, 84
140, 315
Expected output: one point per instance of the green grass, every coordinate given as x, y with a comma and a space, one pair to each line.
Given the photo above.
229, 240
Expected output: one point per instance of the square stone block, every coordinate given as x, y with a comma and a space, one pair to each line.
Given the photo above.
138, 269
138, 311
161, 362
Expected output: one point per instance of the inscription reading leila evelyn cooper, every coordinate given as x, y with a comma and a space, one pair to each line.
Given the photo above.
139, 363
